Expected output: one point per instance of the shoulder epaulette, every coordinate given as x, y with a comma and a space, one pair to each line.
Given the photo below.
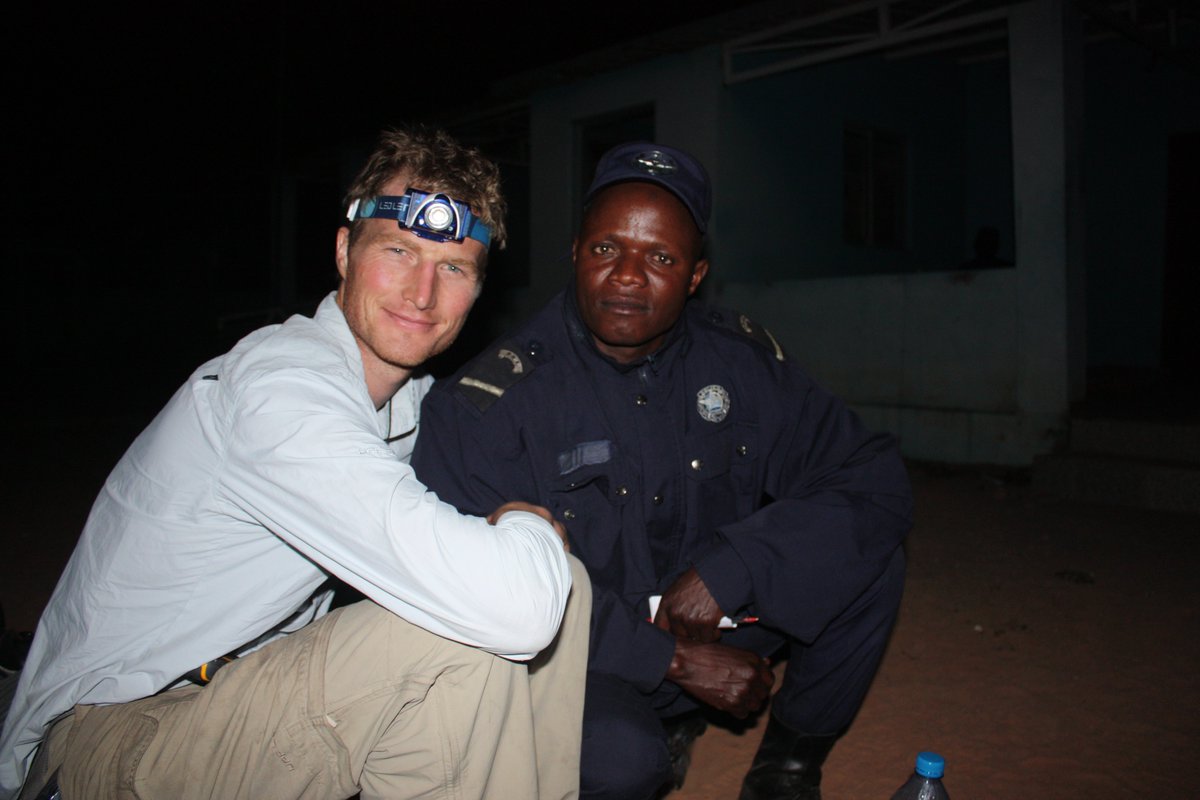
743, 325
495, 371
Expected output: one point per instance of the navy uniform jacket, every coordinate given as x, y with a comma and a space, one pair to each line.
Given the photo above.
716, 452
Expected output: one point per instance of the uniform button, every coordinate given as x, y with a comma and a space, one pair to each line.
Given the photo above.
569, 514
640, 399
714, 316
697, 464
657, 500
742, 450
534, 347
622, 491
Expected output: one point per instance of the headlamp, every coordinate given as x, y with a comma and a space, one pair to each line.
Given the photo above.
429, 215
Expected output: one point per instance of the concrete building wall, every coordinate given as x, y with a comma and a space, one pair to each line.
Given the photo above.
782, 176
931, 357
970, 366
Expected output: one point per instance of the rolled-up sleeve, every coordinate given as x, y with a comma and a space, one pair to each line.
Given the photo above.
305, 461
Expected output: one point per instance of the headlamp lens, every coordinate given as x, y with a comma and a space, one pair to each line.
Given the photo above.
437, 216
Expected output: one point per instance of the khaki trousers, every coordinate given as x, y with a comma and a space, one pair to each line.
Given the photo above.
358, 702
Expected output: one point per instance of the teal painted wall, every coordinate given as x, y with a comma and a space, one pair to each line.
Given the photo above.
781, 170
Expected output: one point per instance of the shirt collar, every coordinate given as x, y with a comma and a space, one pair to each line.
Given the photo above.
329, 318
398, 415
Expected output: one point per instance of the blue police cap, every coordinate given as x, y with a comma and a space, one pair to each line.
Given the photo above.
674, 170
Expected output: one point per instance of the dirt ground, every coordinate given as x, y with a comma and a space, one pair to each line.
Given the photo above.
1047, 649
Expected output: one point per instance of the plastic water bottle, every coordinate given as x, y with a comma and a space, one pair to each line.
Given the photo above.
926, 782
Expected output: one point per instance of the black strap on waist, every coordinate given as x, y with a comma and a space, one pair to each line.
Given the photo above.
204, 673
50, 790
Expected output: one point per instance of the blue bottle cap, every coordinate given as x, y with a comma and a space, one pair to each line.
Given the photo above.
930, 765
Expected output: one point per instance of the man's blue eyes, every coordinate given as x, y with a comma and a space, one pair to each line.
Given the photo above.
400, 251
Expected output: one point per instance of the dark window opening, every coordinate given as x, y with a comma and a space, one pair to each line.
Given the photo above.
596, 135
873, 198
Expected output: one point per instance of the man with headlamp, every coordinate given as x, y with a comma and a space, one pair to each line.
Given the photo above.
727, 508
277, 466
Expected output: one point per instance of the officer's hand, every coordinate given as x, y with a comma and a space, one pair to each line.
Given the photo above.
727, 678
688, 611
532, 509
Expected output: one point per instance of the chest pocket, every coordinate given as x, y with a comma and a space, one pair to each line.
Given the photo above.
591, 501
722, 471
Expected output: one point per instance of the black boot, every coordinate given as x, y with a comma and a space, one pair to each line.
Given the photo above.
787, 765
682, 732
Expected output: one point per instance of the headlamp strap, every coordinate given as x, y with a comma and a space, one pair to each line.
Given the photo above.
430, 215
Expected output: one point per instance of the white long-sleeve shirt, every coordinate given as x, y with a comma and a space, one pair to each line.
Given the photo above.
269, 470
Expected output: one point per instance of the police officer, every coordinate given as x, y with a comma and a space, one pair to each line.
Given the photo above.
695, 467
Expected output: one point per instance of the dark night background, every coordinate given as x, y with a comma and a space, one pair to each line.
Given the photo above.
1043, 642
146, 150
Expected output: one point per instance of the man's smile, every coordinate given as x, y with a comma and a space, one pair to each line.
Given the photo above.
409, 321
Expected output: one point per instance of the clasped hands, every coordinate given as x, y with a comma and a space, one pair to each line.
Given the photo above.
730, 679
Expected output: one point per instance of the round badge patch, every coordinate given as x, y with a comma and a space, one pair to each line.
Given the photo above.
713, 403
